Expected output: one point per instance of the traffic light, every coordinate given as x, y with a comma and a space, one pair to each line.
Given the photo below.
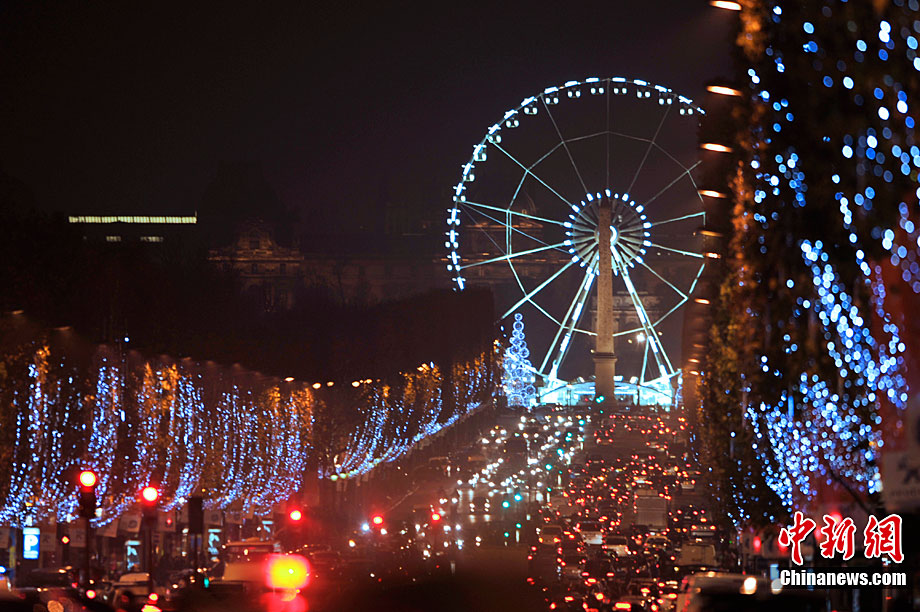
295, 516
435, 517
149, 498
87, 480
377, 520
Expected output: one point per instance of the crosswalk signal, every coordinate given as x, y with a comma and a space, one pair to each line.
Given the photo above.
87, 480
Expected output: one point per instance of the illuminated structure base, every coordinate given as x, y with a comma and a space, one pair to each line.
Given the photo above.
659, 392
605, 374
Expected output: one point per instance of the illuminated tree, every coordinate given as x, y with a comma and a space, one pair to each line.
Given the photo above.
519, 372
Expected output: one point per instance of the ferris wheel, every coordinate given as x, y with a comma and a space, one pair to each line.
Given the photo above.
525, 212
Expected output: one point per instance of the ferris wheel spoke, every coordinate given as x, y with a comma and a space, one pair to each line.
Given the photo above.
682, 218
654, 342
509, 211
644, 364
558, 245
664, 280
530, 172
677, 251
528, 297
648, 149
564, 144
686, 172
565, 331
508, 228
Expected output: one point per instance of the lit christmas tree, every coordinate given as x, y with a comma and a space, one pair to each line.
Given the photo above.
518, 378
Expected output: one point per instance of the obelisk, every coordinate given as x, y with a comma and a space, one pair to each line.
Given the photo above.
604, 359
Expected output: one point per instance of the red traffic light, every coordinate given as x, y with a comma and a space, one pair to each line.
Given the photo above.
88, 479
150, 495
435, 516
377, 519
295, 515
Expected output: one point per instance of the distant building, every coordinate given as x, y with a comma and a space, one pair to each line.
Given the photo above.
144, 229
269, 272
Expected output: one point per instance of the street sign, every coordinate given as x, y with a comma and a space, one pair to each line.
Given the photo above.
130, 522
901, 465
213, 517
77, 534
901, 481
48, 541
31, 537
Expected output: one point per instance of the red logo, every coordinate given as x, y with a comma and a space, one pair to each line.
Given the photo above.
793, 536
883, 537
838, 535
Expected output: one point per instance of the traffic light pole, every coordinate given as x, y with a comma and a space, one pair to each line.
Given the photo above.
88, 552
148, 555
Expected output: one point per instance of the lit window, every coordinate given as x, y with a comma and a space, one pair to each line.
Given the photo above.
113, 238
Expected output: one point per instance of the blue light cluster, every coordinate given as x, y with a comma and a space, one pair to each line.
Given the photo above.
832, 91
395, 418
237, 439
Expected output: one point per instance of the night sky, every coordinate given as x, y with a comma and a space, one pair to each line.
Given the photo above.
111, 108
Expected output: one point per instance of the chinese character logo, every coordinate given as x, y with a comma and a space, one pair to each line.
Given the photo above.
837, 535
883, 537
792, 536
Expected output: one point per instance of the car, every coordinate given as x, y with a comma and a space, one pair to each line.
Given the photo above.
134, 590
325, 564
48, 579
657, 543
697, 591
550, 534
616, 544
573, 565
591, 532
480, 505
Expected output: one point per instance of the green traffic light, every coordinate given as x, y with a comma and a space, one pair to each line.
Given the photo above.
507, 534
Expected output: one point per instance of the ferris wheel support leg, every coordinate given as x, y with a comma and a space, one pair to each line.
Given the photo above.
604, 358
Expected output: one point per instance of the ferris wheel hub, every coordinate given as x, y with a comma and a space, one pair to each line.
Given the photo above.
629, 233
